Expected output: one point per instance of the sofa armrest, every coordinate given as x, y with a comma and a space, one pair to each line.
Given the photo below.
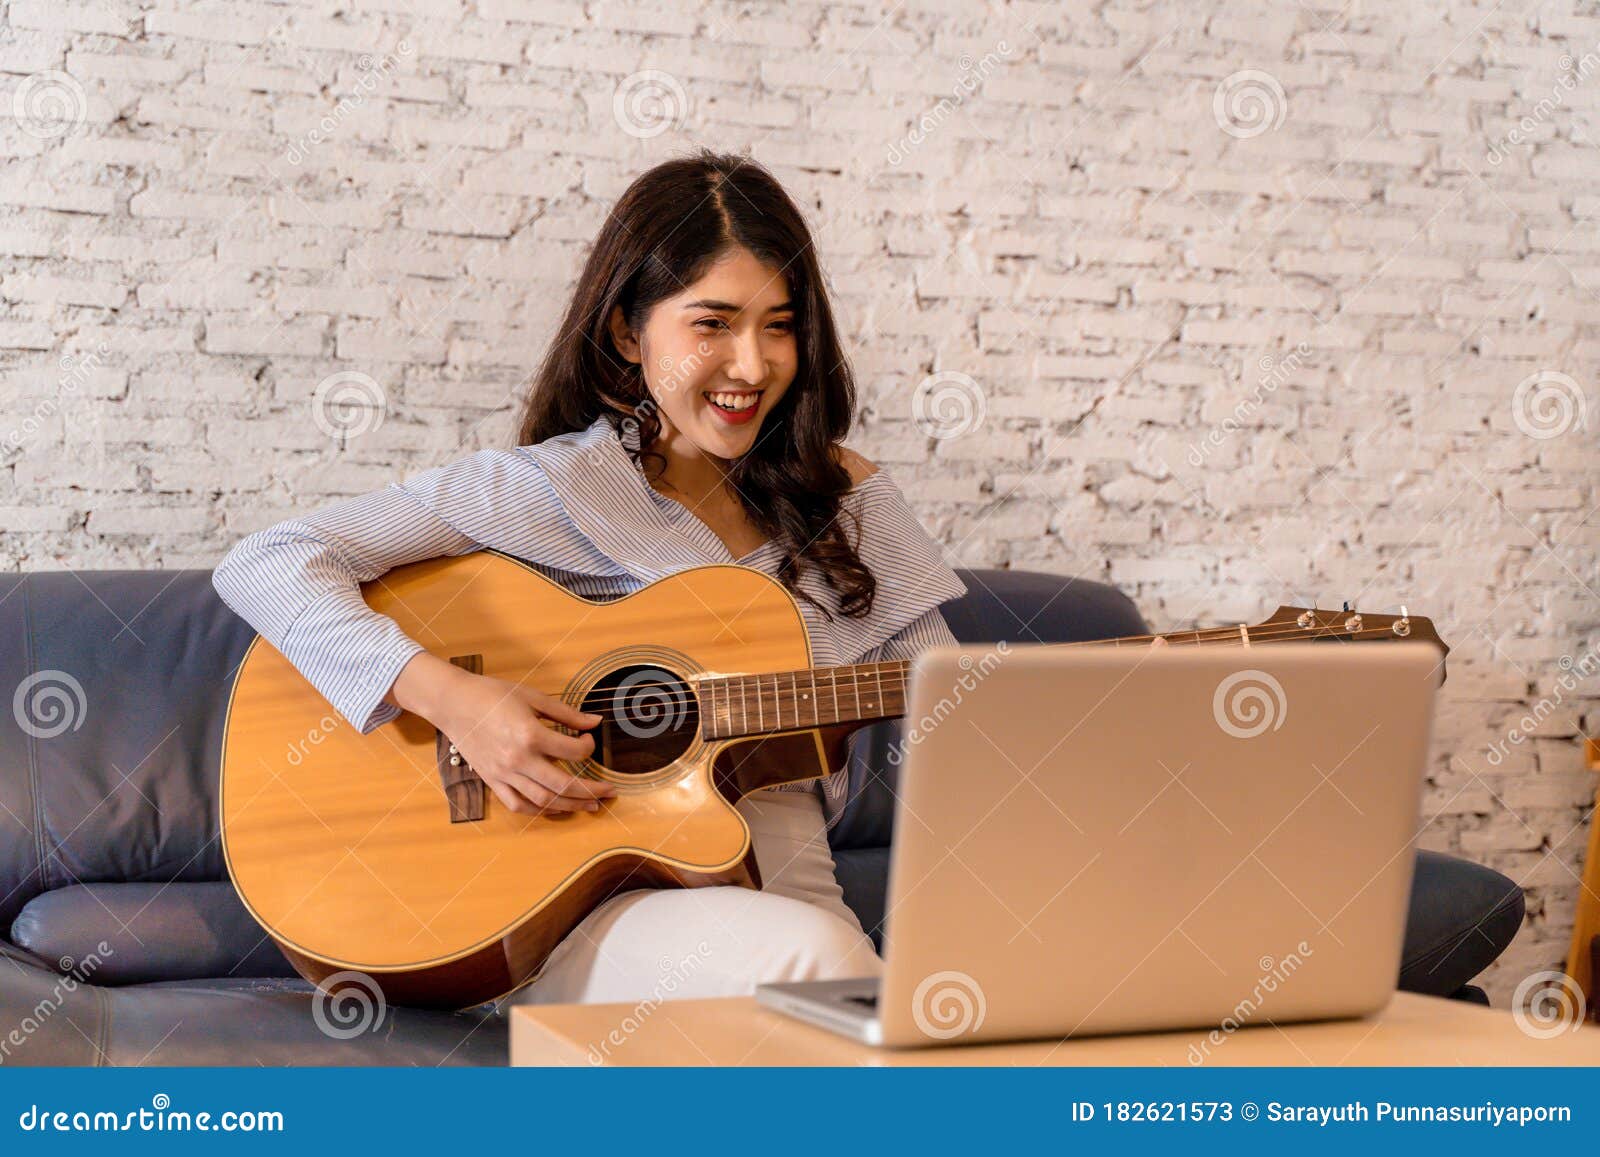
47, 1017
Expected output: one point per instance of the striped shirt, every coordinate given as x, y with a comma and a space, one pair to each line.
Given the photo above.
578, 510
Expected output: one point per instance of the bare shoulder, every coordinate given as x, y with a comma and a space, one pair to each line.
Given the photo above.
859, 467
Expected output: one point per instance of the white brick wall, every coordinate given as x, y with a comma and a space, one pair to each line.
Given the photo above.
1320, 243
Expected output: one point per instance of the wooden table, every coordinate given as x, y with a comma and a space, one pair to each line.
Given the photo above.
1586, 923
1413, 1030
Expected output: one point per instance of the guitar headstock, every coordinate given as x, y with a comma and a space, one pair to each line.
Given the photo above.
1315, 624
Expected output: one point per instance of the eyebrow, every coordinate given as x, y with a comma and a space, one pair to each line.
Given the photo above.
729, 307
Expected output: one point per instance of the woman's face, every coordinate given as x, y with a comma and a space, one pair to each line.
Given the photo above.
727, 338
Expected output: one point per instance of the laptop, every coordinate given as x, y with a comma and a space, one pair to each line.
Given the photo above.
1096, 840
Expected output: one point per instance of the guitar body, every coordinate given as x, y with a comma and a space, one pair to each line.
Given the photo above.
345, 847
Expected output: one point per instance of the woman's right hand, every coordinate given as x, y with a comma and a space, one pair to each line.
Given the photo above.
500, 728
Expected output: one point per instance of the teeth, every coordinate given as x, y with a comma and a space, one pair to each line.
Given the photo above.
735, 401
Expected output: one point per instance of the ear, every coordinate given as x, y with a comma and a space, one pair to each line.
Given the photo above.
627, 345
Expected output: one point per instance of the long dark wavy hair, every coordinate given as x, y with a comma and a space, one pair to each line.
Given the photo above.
667, 229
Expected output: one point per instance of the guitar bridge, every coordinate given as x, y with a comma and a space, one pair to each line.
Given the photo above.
463, 787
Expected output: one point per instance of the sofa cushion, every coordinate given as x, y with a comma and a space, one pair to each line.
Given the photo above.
138, 933
863, 875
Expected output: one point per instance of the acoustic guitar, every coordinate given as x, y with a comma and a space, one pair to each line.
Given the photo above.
384, 854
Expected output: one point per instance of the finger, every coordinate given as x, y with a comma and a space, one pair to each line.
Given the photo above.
553, 742
512, 801
567, 785
562, 711
542, 798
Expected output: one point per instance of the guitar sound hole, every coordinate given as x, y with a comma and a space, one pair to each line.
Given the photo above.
649, 717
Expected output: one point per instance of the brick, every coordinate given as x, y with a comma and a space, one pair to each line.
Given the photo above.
301, 339
148, 520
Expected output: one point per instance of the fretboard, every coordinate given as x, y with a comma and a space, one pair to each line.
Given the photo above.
796, 700
776, 701
733, 705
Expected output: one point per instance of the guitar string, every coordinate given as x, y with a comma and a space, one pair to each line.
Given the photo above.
898, 669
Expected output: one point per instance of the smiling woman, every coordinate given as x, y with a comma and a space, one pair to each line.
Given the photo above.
690, 413
701, 316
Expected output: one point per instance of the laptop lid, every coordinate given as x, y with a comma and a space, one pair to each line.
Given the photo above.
1098, 839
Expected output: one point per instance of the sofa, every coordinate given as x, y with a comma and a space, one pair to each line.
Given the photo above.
126, 945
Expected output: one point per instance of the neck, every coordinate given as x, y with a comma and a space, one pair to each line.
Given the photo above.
861, 693
690, 472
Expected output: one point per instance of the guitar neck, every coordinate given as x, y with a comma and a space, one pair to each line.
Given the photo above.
861, 693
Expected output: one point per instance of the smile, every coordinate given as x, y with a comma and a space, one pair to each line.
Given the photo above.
734, 405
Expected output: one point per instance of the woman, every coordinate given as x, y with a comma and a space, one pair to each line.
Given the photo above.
689, 411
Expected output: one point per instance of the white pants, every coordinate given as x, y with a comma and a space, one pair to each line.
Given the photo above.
681, 943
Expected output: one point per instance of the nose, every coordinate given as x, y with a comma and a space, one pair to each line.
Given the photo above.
749, 364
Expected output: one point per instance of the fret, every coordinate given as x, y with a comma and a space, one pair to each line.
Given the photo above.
744, 711
833, 677
877, 675
761, 711
816, 710
794, 691
855, 687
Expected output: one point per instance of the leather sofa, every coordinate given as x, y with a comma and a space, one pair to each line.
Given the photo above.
125, 944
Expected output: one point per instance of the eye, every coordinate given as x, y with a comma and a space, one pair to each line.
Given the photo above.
783, 325
712, 322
